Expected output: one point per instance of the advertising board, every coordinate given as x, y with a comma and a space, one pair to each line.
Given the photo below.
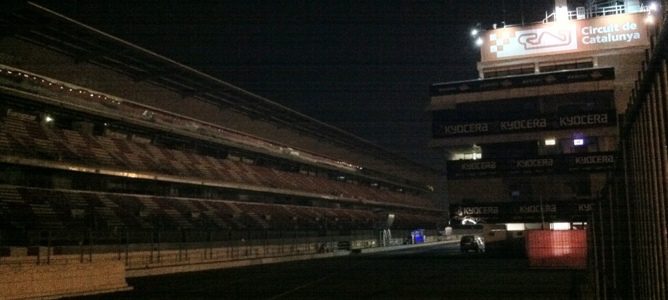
608, 32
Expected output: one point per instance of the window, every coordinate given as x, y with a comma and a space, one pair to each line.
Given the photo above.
474, 152
566, 65
509, 71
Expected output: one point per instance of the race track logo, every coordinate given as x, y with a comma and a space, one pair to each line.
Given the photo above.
507, 43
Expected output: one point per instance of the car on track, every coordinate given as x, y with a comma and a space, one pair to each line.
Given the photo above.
472, 243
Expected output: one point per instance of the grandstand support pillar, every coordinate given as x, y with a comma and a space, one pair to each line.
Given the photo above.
39, 239
150, 259
158, 247
81, 250
180, 254
48, 247
118, 246
209, 243
185, 243
90, 245
127, 247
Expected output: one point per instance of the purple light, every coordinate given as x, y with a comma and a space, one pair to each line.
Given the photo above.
578, 142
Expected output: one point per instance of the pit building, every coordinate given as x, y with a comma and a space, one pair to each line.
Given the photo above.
530, 143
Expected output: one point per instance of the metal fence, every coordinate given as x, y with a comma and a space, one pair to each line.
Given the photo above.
629, 226
154, 248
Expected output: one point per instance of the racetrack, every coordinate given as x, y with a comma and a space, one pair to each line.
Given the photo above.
439, 272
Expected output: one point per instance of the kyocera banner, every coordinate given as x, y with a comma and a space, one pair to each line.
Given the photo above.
444, 128
608, 32
565, 163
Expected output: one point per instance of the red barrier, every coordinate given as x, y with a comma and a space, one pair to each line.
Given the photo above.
565, 249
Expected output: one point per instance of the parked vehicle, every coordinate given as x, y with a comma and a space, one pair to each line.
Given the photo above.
472, 243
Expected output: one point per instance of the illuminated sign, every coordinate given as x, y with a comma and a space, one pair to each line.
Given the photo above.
609, 32
565, 163
443, 127
534, 208
485, 210
521, 211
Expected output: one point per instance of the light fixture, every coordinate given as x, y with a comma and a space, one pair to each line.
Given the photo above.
561, 13
474, 32
479, 42
550, 142
649, 19
468, 221
578, 142
560, 226
48, 119
515, 227
653, 6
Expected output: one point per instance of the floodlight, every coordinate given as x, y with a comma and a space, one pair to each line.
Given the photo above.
479, 42
649, 19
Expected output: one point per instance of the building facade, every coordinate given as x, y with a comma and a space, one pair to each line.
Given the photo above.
532, 141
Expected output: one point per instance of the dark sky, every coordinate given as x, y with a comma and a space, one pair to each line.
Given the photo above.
363, 66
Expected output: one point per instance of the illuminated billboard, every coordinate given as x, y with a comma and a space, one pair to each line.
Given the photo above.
609, 32
545, 164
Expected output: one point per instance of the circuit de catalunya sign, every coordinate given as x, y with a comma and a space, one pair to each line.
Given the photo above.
609, 32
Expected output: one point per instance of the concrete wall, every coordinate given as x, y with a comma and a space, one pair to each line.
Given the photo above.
25, 279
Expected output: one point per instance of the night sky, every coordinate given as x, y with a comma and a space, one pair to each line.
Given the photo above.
362, 66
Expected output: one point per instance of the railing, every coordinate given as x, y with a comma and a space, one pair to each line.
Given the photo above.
164, 255
629, 223
594, 12
146, 250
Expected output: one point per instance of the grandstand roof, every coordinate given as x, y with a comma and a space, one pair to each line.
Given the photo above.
37, 24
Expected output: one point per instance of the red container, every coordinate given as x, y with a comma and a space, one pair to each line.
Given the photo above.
562, 249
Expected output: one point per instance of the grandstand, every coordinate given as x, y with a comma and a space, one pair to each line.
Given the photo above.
104, 143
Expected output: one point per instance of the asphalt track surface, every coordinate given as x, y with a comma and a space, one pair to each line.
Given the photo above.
439, 272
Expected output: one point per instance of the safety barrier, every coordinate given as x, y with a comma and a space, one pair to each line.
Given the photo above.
557, 249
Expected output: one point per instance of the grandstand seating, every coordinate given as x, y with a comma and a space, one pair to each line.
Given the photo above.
26, 135
102, 102
47, 209
23, 137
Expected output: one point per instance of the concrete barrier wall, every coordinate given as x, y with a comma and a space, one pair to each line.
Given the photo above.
49, 276
164, 261
25, 279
